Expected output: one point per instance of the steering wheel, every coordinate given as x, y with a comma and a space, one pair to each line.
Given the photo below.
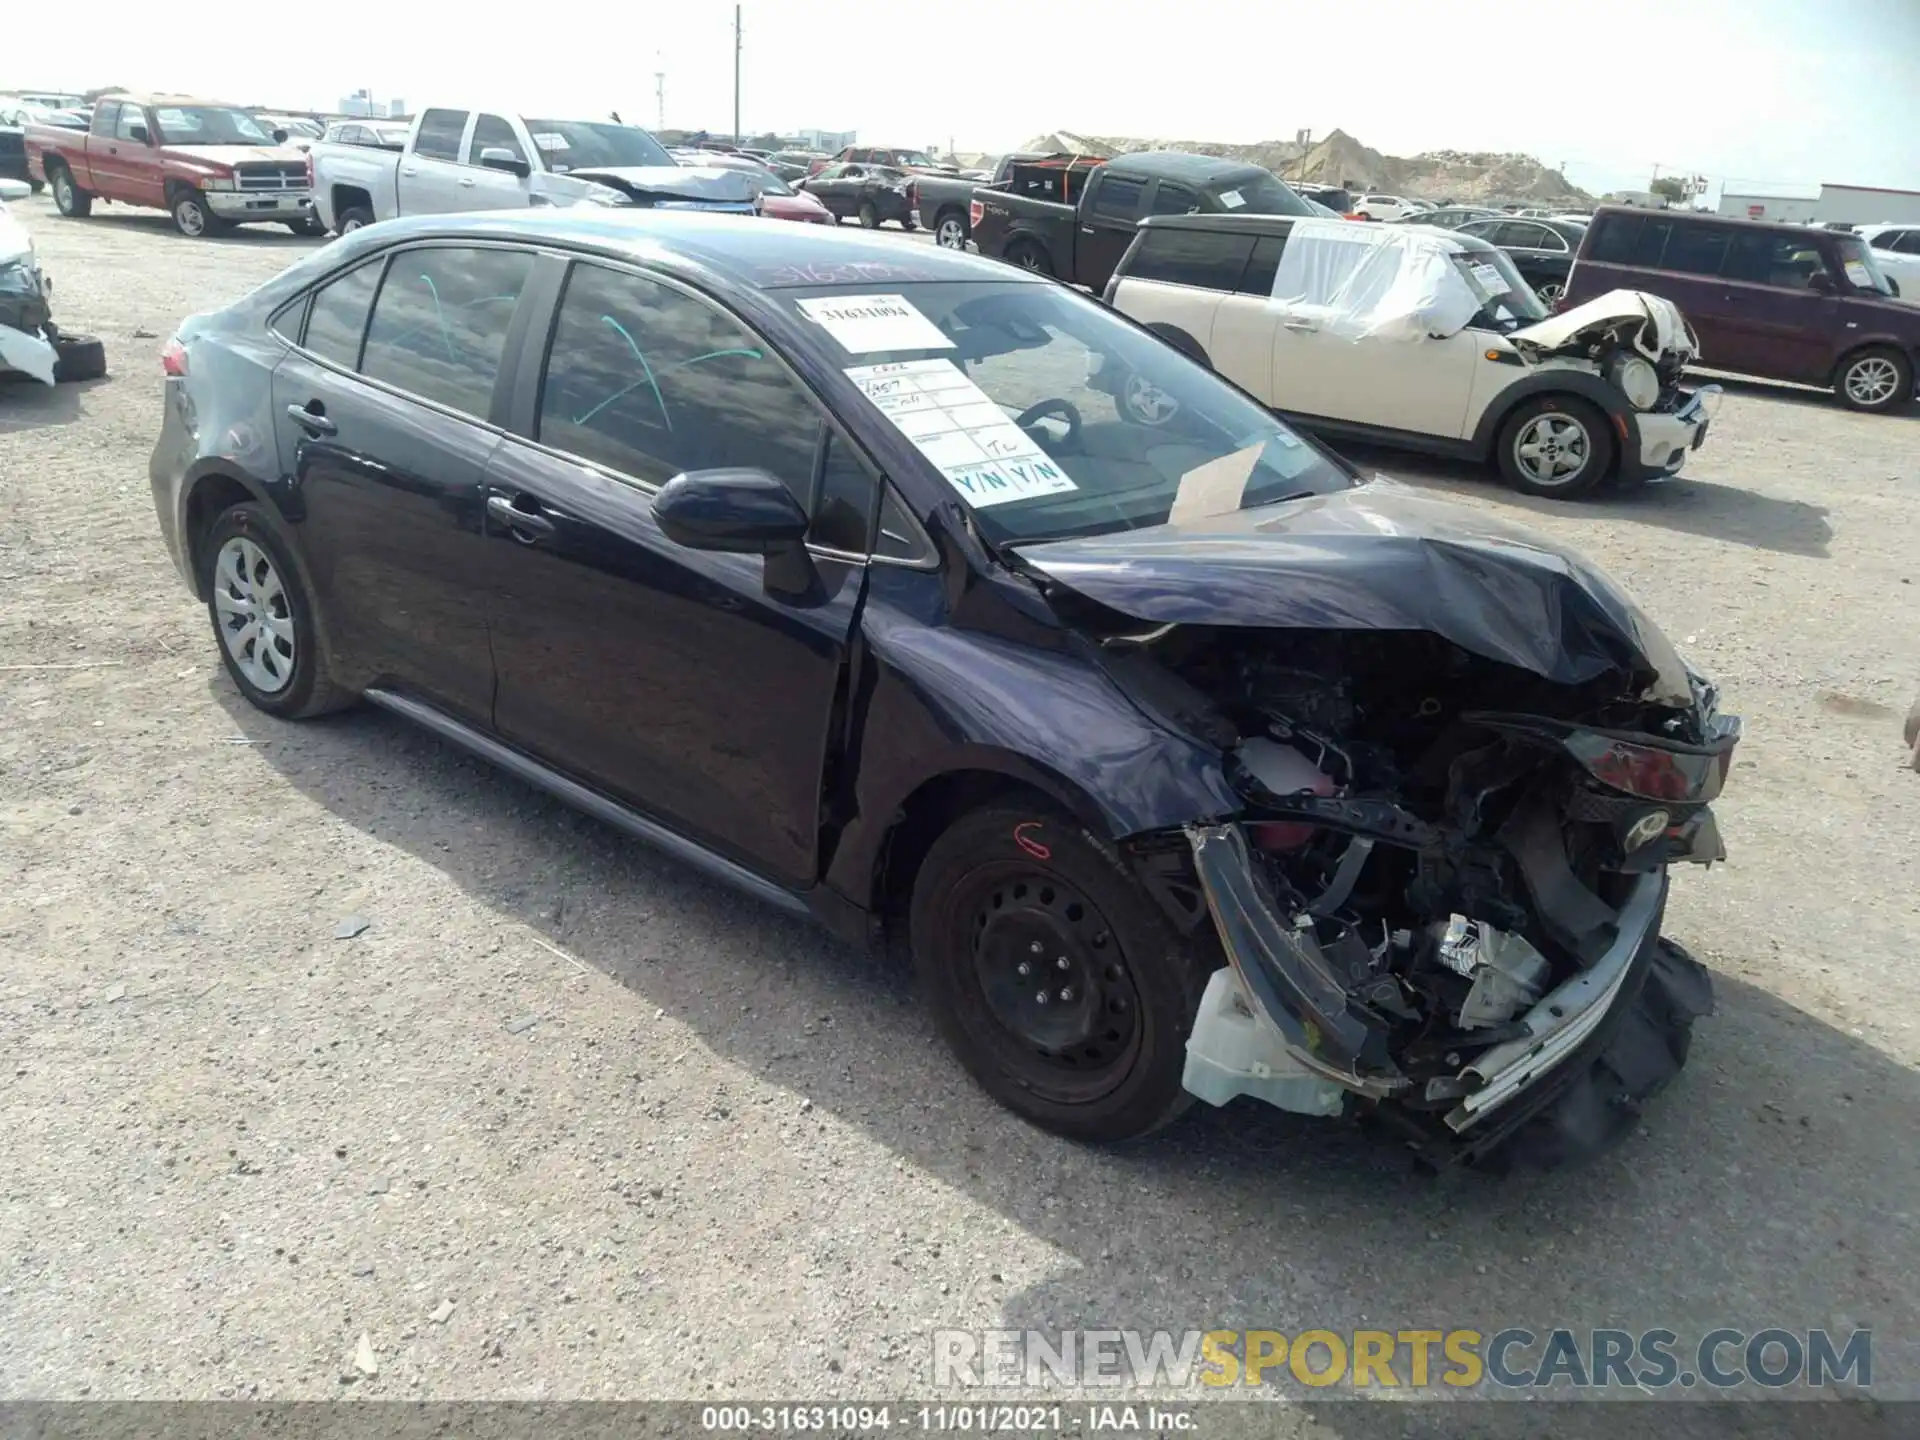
1064, 409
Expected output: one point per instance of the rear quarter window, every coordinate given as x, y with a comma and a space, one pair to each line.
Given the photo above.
1199, 258
337, 318
1628, 240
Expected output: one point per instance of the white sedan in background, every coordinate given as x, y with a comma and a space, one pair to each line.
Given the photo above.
1388, 207
1896, 249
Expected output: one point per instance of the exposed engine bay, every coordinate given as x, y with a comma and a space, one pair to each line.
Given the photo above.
1443, 858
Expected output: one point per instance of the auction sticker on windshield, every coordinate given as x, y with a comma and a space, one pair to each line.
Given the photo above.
951, 421
1858, 275
1490, 279
869, 324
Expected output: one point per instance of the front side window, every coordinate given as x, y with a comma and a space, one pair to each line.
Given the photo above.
132, 125
1117, 197
440, 132
490, 132
338, 317
1171, 199
208, 125
1020, 411
1191, 257
651, 381
1862, 271
440, 324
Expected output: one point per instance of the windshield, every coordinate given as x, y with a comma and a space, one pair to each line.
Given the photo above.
593, 145
913, 157
208, 125
1049, 415
1510, 301
1258, 193
1858, 264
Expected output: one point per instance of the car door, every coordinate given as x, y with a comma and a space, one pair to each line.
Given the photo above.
1241, 342
105, 173
830, 187
1774, 319
1109, 214
430, 172
386, 425
136, 146
489, 189
686, 683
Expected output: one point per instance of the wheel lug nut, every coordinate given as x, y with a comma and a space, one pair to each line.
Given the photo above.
1036, 947
1041, 998
1061, 963
1023, 969
1066, 993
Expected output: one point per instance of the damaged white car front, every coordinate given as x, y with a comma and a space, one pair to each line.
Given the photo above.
24, 344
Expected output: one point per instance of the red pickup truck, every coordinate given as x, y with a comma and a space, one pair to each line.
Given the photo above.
208, 165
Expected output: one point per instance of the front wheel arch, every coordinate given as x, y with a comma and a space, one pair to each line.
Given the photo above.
1182, 341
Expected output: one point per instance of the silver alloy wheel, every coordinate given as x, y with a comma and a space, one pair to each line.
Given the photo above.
951, 235
63, 190
1147, 402
1551, 291
1871, 380
1028, 259
256, 624
191, 219
1552, 449
347, 227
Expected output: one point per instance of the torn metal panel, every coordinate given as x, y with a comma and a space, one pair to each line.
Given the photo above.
1652, 325
29, 354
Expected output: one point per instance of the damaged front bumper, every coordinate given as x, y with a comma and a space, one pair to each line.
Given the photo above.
1276, 1024
1666, 437
31, 354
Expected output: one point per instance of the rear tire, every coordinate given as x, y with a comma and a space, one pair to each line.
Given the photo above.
1014, 902
1555, 446
68, 198
309, 227
1029, 256
1876, 380
950, 232
869, 217
354, 218
78, 357
246, 569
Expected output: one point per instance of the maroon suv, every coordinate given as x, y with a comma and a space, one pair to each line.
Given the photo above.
1784, 302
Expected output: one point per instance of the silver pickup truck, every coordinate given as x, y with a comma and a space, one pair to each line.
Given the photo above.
458, 160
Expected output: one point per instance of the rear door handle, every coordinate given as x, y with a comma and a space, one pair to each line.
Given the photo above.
1086, 230
314, 422
467, 181
526, 526
409, 170
1304, 327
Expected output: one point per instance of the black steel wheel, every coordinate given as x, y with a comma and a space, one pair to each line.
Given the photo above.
1053, 977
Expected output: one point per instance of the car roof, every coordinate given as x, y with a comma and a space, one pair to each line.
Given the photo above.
1702, 217
1244, 224
1181, 165
761, 254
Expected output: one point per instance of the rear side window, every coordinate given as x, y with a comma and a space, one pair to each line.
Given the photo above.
490, 132
1263, 266
1117, 197
1904, 242
440, 325
1191, 257
337, 319
1171, 199
439, 137
651, 381
1696, 249
1629, 240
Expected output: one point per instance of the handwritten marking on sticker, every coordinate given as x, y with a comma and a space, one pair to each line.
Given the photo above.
864, 324
985, 457
1490, 279
1027, 843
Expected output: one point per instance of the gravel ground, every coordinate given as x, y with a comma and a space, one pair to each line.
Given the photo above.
565, 1121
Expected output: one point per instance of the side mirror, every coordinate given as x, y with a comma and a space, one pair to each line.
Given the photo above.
741, 512
139, 133
279, 136
1820, 283
498, 158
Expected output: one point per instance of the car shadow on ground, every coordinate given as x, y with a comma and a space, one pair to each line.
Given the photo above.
159, 224
1805, 396
26, 404
1761, 1189
1683, 504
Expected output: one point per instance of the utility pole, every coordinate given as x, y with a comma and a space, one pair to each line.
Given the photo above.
660, 91
736, 74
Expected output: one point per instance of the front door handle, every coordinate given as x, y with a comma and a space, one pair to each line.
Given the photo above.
467, 181
314, 422
526, 526
409, 170
1086, 230
1302, 327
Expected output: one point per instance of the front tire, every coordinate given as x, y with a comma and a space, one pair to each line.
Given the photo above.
1052, 976
869, 217
191, 215
1556, 447
1875, 381
68, 198
263, 619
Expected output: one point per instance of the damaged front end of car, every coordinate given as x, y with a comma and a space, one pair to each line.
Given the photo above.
26, 337
1467, 763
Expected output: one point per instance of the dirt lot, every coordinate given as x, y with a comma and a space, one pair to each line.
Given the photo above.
567, 1121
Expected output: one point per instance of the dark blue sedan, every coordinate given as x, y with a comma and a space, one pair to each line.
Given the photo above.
900, 588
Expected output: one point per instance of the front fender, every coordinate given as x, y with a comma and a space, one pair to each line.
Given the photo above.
938, 700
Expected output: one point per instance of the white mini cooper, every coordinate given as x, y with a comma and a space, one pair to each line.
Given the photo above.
1416, 337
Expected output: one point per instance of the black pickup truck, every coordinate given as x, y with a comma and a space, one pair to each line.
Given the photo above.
1081, 237
945, 200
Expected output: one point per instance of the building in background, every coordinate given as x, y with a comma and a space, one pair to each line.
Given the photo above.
1869, 205
362, 103
829, 141
1769, 203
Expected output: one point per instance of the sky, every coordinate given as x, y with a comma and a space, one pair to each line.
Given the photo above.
1775, 92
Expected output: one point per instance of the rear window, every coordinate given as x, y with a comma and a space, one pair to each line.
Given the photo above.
1198, 258
1256, 192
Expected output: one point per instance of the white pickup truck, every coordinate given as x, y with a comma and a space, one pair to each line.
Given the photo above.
458, 160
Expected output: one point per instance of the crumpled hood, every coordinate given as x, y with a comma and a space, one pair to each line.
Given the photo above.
1654, 326
1380, 557
704, 186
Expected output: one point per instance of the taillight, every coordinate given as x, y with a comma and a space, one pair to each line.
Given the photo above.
975, 209
173, 359
309, 169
